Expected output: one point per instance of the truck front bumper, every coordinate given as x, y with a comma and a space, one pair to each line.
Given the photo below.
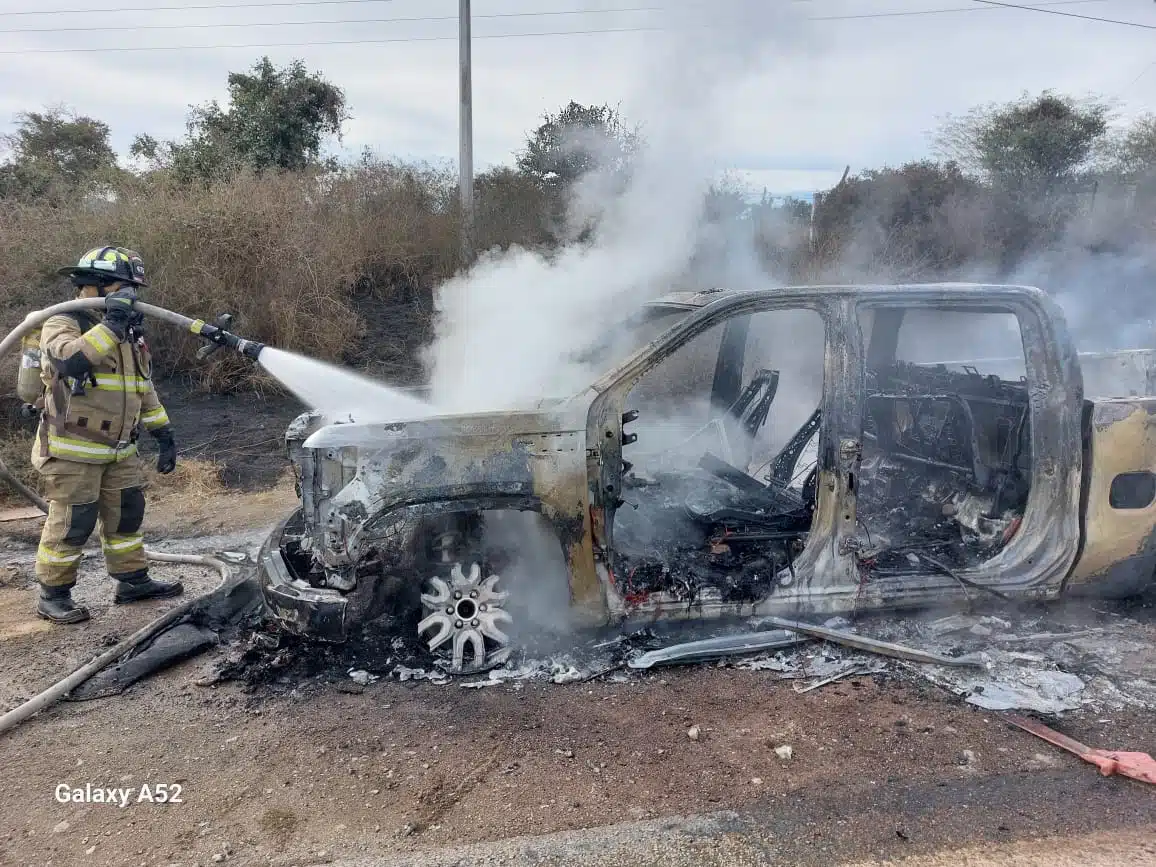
298, 607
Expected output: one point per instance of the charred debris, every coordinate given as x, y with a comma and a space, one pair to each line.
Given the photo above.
944, 483
1048, 661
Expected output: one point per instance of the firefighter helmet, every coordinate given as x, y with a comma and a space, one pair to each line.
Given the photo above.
107, 265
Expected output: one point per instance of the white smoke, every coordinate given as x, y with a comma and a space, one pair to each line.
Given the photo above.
508, 330
534, 571
1107, 297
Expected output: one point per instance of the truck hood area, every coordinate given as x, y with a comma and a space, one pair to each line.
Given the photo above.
546, 416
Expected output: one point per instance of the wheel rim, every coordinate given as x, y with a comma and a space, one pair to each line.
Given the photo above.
464, 614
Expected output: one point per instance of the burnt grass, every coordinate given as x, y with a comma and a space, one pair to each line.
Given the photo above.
242, 432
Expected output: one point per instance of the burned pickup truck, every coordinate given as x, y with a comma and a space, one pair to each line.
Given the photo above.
787, 451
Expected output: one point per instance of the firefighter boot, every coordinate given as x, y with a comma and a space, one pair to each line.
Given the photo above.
135, 586
56, 604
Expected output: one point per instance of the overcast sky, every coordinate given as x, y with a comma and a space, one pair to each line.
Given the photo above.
821, 91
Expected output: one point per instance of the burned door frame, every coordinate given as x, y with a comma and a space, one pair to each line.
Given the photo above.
826, 562
1037, 559
1034, 563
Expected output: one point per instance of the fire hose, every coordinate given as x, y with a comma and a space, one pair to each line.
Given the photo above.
218, 338
63, 687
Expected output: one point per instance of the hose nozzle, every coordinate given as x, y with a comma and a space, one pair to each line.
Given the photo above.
219, 338
249, 348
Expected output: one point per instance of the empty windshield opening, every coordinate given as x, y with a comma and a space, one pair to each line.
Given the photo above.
619, 342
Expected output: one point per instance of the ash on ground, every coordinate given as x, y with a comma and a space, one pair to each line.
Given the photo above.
1046, 659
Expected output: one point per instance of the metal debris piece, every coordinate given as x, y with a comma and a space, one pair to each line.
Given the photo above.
602, 672
1138, 766
871, 645
480, 684
854, 669
1007, 685
766, 662
1046, 636
564, 673
714, 648
404, 673
787, 636
951, 623
1041, 691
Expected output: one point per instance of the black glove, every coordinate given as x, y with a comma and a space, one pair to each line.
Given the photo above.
119, 310
167, 450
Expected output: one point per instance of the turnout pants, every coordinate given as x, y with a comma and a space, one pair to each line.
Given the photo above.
78, 496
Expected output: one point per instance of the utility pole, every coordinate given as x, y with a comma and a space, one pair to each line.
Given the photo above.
466, 133
815, 196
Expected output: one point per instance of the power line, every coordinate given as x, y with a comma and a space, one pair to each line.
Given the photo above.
330, 21
323, 42
998, 5
264, 4
917, 12
393, 20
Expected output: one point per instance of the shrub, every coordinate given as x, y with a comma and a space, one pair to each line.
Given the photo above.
339, 266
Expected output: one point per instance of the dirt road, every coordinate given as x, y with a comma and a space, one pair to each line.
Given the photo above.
878, 770
730, 840
320, 771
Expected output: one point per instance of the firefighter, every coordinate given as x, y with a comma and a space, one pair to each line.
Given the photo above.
97, 393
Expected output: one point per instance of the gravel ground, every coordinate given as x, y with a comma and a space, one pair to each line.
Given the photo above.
882, 768
729, 840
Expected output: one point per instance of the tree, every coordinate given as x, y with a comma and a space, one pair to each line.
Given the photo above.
726, 201
923, 219
512, 208
1133, 153
277, 119
54, 154
575, 141
1033, 146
